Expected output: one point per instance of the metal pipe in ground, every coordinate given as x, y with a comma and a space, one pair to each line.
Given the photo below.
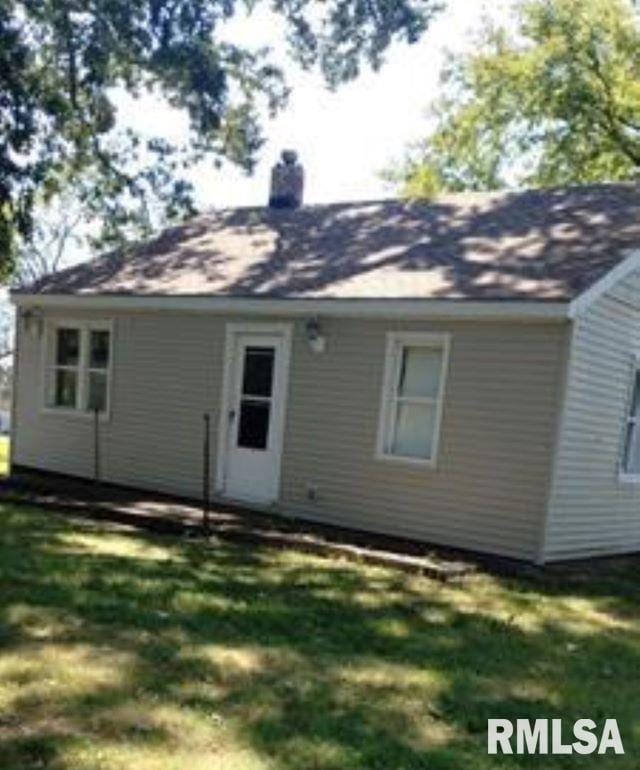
96, 445
206, 473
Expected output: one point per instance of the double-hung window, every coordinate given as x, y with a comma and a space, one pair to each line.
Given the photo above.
78, 370
631, 453
413, 392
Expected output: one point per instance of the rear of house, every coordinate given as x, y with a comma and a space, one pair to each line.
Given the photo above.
416, 370
484, 487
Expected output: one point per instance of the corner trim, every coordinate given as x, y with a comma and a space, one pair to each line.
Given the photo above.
13, 428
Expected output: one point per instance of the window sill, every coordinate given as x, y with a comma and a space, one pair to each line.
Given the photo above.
74, 414
415, 462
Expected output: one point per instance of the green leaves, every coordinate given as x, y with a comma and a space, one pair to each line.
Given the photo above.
556, 101
62, 61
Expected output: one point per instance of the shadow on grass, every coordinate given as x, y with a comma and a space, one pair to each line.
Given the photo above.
114, 644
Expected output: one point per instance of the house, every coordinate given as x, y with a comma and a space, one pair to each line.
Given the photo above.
462, 371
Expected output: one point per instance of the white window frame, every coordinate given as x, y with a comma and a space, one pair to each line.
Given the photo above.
396, 342
50, 336
623, 475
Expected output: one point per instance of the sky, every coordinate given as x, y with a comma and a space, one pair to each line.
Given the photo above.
344, 138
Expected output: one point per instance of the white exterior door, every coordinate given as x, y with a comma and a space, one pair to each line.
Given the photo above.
253, 412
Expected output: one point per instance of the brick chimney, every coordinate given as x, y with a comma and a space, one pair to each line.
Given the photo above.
287, 182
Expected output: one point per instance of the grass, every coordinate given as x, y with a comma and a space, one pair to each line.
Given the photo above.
4, 455
120, 650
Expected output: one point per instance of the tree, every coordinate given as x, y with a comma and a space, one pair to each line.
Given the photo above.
62, 61
555, 101
57, 229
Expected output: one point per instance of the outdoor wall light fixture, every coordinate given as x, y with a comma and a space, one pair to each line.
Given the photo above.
32, 322
315, 338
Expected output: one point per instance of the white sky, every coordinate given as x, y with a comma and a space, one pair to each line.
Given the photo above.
344, 138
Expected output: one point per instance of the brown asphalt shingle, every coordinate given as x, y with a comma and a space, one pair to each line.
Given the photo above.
542, 245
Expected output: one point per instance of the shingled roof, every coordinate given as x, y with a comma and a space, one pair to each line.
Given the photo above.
538, 245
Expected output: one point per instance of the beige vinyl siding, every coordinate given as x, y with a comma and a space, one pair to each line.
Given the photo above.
591, 511
165, 374
489, 488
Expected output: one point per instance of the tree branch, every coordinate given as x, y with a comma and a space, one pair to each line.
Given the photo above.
610, 113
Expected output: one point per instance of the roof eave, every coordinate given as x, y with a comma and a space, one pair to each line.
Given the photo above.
503, 309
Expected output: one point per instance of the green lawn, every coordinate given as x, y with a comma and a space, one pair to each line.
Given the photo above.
120, 650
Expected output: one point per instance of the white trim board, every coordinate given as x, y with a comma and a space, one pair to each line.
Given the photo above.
562, 399
47, 350
395, 342
513, 310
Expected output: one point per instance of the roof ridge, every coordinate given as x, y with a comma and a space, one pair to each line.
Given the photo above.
443, 196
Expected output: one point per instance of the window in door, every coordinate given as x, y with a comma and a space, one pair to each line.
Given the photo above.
256, 397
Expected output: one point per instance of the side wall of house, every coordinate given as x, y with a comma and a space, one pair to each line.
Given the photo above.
591, 511
488, 491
